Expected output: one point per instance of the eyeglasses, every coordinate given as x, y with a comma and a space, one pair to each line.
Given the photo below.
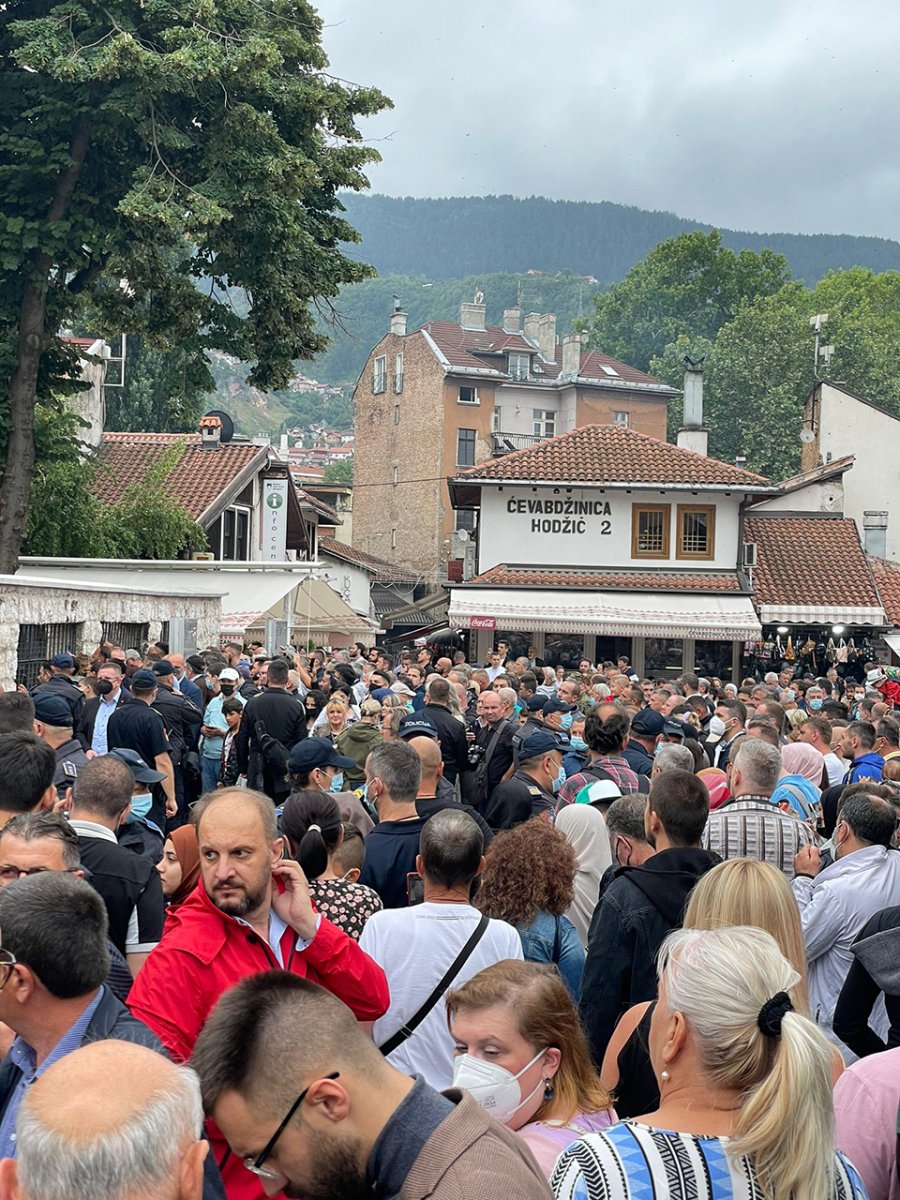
7, 962
256, 1165
9, 873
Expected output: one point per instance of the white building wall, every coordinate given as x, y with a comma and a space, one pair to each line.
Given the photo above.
512, 531
351, 584
814, 498
517, 405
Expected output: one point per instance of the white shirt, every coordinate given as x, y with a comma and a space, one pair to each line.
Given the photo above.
415, 946
836, 768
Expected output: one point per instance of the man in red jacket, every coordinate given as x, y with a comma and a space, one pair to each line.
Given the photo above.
251, 912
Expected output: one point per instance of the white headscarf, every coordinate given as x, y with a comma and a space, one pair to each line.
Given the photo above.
585, 830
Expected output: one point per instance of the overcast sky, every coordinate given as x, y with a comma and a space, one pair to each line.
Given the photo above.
770, 115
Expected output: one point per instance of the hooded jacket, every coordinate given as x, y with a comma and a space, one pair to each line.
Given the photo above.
636, 911
875, 969
867, 766
356, 742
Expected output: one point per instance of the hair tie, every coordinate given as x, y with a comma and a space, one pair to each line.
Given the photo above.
317, 828
772, 1014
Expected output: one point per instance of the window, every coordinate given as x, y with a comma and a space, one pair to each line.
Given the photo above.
398, 374
393, 539
468, 395
650, 530
496, 419
379, 375
608, 370
696, 531
37, 643
663, 656
518, 366
465, 448
396, 414
236, 535
465, 519
395, 474
544, 422
620, 418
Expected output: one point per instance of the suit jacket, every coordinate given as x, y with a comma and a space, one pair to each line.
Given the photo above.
84, 731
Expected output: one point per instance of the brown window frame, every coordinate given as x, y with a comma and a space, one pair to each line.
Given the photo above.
636, 510
692, 555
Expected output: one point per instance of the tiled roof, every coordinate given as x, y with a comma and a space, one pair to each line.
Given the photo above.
807, 561
611, 454
632, 581
197, 480
307, 499
458, 344
887, 580
383, 572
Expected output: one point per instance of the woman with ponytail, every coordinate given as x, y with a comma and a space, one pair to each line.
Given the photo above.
311, 825
745, 1110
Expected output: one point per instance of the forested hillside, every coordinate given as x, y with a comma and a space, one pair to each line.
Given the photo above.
460, 236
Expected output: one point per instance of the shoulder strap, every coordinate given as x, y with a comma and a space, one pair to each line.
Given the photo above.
409, 1027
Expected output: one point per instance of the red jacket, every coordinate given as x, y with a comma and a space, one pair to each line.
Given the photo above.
203, 952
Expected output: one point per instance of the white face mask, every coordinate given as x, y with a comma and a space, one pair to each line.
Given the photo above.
492, 1086
716, 726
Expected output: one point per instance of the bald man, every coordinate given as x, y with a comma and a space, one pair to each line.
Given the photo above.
126, 1100
428, 802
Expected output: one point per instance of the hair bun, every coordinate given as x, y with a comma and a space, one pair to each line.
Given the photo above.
772, 1014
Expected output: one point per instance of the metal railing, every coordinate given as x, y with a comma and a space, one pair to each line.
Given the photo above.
505, 443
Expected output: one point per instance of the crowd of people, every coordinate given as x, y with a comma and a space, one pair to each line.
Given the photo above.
358, 925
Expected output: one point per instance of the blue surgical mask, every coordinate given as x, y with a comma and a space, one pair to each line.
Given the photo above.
140, 806
815, 705
337, 783
559, 780
566, 720
577, 743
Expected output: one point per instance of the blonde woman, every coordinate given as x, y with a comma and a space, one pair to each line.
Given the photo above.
393, 707
745, 1109
338, 717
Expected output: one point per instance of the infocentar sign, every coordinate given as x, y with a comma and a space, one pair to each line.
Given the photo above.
563, 514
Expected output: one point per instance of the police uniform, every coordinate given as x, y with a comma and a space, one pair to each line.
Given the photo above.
70, 758
140, 728
517, 800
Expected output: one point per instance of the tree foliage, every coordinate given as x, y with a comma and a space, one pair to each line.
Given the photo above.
338, 472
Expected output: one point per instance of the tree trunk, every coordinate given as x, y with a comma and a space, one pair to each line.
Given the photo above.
18, 469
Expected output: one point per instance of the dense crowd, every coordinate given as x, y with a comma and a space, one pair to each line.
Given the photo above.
357, 925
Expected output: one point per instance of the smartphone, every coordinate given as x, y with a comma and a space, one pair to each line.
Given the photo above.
415, 888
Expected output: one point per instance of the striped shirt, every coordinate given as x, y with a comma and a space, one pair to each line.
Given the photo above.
632, 1161
752, 827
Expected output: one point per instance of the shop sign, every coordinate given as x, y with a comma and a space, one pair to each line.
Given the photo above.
564, 515
482, 622
274, 519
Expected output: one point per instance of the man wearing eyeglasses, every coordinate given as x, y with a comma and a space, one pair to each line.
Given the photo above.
312, 1108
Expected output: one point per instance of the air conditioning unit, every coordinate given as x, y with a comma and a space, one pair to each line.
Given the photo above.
749, 554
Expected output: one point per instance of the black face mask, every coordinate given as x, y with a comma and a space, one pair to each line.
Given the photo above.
105, 687
227, 689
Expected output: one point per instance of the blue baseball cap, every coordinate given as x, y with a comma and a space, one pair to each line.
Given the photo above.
315, 752
554, 705
413, 725
536, 703
542, 741
52, 710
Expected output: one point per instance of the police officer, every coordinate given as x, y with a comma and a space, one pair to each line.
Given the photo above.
182, 720
533, 723
60, 683
140, 728
532, 790
137, 832
53, 724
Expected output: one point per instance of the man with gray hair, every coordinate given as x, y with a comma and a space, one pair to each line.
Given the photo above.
109, 1120
393, 775
751, 826
671, 757
416, 946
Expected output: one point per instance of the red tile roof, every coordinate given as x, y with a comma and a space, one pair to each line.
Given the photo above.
458, 344
611, 454
197, 480
887, 580
383, 572
633, 581
810, 561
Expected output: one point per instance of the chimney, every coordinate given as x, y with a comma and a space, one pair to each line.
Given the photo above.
692, 435
471, 313
571, 355
875, 533
512, 320
398, 322
532, 326
210, 432
547, 337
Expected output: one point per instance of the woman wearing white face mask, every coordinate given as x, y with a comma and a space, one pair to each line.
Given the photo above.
311, 824
522, 1055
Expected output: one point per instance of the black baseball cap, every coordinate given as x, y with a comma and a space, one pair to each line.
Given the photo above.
542, 741
536, 703
554, 705
52, 710
163, 667
144, 680
648, 722
412, 725
139, 769
315, 752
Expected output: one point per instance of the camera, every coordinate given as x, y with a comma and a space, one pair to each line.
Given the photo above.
475, 755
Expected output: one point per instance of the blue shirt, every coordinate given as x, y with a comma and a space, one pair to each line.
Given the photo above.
212, 746
105, 710
24, 1057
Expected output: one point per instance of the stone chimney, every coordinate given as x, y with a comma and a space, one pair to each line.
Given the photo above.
398, 322
547, 337
512, 320
692, 435
532, 326
875, 533
571, 355
210, 432
471, 314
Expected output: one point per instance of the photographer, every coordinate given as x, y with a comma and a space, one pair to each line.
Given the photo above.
490, 757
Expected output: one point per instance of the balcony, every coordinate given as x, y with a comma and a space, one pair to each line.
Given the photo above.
506, 443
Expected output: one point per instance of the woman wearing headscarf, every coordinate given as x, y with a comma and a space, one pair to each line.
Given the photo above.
179, 867
717, 785
585, 830
803, 776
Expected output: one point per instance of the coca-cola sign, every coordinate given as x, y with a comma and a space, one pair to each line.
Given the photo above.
482, 622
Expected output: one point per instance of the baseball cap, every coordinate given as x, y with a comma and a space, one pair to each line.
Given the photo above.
139, 769
553, 705
380, 693
648, 723
315, 752
163, 667
400, 689
600, 791
412, 725
195, 662
535, 703
143, 680
672, 728
370, 707
52, 710
542, 741
62, 660
228, 675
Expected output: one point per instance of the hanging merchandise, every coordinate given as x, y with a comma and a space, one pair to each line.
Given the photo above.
779, 647
789, 650
842, 651
830, 651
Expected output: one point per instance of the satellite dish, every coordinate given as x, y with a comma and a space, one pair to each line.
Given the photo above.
227, 424
807, 436
462, 534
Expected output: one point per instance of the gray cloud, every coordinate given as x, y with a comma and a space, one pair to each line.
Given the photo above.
772, 115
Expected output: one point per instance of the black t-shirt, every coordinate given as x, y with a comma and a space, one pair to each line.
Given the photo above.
138, 727
391, 850
131, 890
517, 800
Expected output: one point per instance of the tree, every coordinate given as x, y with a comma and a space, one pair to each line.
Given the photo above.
338, 472
165, 391
690, 285
152, 157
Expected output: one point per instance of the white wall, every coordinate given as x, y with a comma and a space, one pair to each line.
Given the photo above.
518, 404
350, 583
511, 531
814, 498
848, 427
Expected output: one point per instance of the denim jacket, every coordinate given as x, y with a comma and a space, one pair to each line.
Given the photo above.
555, 940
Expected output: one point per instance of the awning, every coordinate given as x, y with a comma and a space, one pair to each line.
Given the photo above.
316, 609
893, 641
251, 595
813, 614
626, 614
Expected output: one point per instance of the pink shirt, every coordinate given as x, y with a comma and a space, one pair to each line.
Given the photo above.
866, 1099
547, 1140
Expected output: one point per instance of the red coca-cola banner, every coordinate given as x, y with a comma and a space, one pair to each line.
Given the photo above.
482, 622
